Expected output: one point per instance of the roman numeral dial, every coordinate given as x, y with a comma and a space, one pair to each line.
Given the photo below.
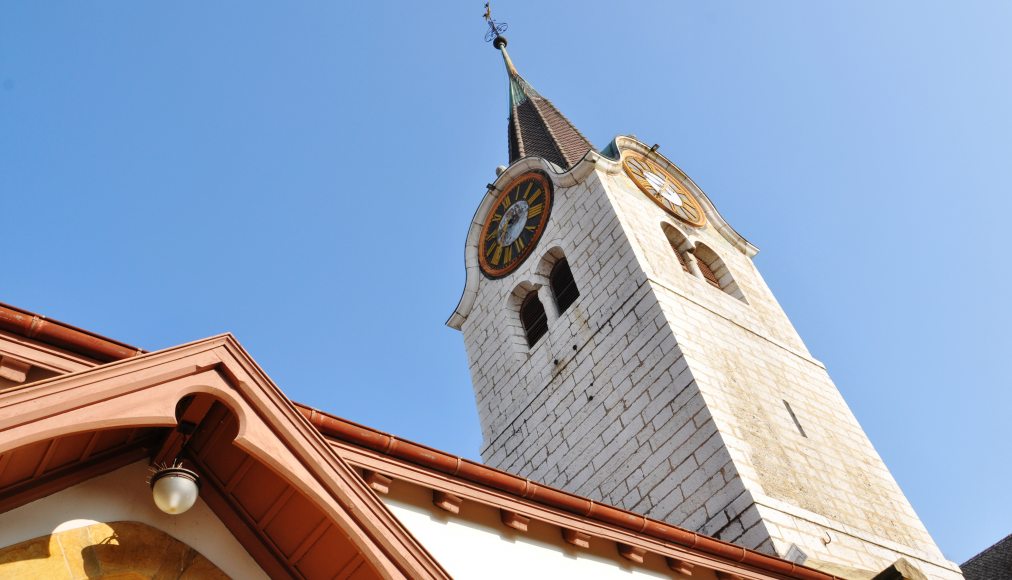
665, 190
514, 224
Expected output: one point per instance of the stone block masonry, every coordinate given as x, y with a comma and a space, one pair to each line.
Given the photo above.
664, 395
618, 418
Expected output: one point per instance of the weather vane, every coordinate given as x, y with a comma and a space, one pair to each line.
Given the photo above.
495, 29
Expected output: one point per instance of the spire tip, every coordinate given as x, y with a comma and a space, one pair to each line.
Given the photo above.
495, 29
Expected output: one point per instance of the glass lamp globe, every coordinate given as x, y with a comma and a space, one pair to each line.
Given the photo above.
174, 489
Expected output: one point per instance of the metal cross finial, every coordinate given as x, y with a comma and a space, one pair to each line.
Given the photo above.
495, 29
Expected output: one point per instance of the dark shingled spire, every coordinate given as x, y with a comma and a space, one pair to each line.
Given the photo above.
536, 127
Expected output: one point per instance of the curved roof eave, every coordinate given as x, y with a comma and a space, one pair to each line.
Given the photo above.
629, 142
609, 160
559, 177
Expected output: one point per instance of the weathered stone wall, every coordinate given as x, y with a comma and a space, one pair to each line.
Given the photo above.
659, 393
747, 361
604, 404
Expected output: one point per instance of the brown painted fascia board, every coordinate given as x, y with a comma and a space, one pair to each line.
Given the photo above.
414, 474
384, 443
56, 333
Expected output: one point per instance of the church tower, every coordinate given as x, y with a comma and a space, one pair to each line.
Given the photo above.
623, 346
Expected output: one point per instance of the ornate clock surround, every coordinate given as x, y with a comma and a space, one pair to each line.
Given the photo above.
665, 190
515, 223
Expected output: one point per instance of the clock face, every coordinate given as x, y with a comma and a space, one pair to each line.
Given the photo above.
663, 189
514, 224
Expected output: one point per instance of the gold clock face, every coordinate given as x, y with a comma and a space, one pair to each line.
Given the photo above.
663, 189
515, 224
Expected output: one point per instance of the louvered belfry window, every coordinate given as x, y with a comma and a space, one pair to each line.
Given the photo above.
681, 257
563, 285
708, 274
533, 318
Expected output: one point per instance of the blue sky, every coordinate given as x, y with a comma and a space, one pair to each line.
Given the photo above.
302, 175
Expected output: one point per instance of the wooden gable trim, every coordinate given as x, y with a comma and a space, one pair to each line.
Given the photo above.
246, 534
29, 491
143, 391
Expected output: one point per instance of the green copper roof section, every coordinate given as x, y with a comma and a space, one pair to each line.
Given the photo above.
520, 90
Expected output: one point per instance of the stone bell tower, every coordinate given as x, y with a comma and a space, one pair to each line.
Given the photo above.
623, 346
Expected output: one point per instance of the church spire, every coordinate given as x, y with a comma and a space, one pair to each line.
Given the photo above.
536, 127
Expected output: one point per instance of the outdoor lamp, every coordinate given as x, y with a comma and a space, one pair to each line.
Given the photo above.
175, 489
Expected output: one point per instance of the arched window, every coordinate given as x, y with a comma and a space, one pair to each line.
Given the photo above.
715, 272
678, 243
707, 273
563, 285
533, 318
681, 258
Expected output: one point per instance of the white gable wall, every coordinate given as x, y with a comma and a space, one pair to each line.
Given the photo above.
475, 544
